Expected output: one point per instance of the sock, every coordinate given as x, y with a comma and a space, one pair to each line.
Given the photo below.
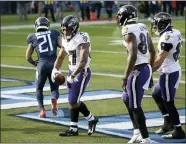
178, 127
126, 102
173, 113
136, 131
160, 102
39, 94
167, 119
139, 117
83, 109
73, 126
74, 114
90, 117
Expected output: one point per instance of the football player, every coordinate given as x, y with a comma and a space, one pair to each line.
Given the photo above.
45, 43
76, 45
137, 76
167, 63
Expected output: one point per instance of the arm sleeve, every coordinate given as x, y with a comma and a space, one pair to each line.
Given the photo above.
166, 46
31, 40
166, 42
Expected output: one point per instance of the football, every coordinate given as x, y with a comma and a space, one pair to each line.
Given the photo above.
59, 79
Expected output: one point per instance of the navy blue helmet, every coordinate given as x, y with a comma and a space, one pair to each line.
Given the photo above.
42, 23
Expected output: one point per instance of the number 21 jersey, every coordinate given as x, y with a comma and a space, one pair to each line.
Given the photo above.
140, 31
45, 44
170, 41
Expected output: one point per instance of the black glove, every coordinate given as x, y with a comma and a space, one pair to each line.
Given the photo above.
124, 84
151, 84
34, 62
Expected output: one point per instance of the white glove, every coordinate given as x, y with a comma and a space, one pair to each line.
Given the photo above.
53, 75
71, 80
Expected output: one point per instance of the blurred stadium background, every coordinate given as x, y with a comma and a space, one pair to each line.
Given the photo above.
108, 63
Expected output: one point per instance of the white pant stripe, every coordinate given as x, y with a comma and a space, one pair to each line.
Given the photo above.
167, 87
82, 85
178, 81
134, 91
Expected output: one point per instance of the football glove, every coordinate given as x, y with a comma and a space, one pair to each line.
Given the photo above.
72, 79
34, 62
53, 75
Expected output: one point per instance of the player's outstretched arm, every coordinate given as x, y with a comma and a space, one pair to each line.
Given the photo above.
132, 50
60, 58
151, 51
84, 53
29, 53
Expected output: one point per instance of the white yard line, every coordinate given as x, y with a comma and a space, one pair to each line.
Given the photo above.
54, 25
86, 23
96, 51
65, 71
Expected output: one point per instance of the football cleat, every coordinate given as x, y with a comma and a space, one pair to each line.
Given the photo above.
54, 106
148, 140
165, 128
135, 138
92, 126
42, 113
69, 132
175, 135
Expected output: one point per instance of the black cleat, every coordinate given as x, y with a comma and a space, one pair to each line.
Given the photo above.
69, 132
92, 126
165, 128
175, 135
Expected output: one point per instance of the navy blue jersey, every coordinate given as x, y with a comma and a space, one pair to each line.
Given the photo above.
45, 44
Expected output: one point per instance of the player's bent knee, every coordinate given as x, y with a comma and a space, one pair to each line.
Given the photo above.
74, 105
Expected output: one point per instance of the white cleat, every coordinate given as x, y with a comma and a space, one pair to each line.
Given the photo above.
135, 138
148, 140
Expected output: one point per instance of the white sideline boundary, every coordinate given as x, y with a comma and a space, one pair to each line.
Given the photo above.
66, 71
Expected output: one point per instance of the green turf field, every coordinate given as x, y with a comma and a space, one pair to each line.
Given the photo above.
104, 61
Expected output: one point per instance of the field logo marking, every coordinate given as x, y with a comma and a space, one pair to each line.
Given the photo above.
115, 125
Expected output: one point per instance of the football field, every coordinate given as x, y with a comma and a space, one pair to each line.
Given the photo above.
19, 110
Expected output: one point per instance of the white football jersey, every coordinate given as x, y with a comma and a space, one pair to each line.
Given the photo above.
141, 32
170, 41
73, 50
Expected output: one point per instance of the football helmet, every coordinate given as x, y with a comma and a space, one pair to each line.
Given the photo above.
161, 23
126, 14
42, 23
69, 27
